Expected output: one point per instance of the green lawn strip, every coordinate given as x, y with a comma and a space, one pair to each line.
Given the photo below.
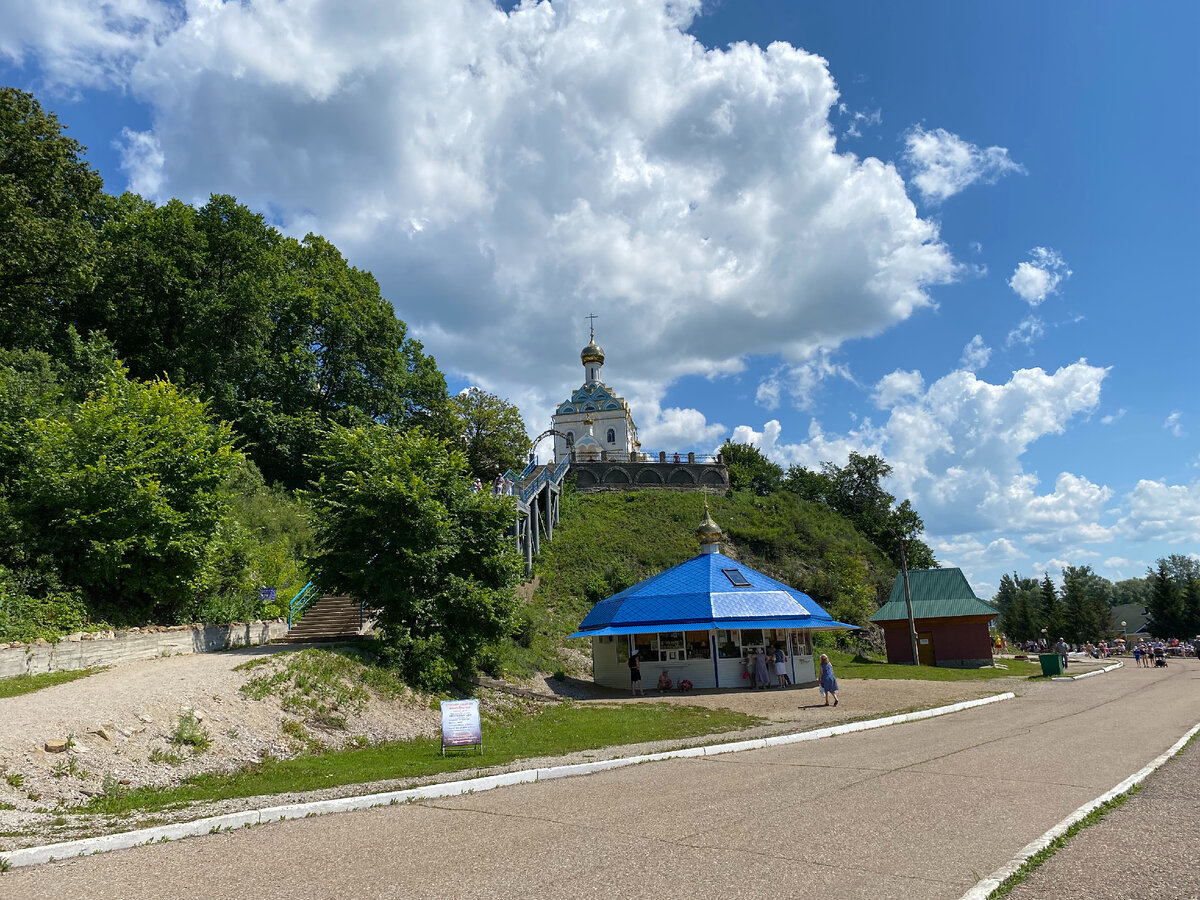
1036, 861
25, 684
847, 666
555, 732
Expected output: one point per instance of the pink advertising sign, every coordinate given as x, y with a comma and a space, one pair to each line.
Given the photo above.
460, 724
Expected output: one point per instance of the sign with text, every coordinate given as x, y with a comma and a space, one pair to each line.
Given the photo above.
266, 595
460, 724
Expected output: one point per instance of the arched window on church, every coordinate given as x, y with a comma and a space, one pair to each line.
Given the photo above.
612, 436
570, 439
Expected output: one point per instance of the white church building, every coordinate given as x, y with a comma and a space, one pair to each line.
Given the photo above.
594, 422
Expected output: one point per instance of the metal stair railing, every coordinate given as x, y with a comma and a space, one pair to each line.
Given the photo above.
560, 471
298, 604
534, 486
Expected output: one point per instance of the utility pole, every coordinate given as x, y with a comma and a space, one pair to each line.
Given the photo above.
912, 625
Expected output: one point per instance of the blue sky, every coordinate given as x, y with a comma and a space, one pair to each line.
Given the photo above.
959, 235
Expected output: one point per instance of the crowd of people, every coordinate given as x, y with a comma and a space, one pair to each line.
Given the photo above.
757, 667
1145, 651
756, 671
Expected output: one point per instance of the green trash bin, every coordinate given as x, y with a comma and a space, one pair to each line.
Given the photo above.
1051, 663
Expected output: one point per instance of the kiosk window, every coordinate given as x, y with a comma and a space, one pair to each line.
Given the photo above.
697, 645
729, 644
647, 647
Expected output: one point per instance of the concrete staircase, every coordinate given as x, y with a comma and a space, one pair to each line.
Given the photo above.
330, 618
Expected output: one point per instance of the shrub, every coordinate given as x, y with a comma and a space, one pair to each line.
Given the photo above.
190, 733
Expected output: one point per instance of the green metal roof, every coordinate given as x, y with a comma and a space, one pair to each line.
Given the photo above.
936, 593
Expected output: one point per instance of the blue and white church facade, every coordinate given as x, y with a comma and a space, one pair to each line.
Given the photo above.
597, 424
701, 619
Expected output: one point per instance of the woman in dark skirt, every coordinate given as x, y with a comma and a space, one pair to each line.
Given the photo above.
828, 682
635, 674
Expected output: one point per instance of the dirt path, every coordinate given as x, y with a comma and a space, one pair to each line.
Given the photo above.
119, 722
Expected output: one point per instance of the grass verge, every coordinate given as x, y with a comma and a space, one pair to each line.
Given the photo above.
1035, 862
555, 732
847, 666
27, 684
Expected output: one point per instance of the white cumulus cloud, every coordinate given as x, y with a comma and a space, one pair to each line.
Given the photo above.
1164, 512
956, 447
1039, 277
496, 169
976, 354
944, 164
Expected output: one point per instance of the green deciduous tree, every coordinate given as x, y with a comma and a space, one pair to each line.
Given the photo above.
1131, 590
283, 337
493, 433
856, 491
48, 195
750, 470
115, 492
400, 529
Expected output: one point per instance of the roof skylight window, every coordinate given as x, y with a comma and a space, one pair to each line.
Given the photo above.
736, 578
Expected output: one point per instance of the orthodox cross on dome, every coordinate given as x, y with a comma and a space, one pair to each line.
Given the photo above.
592, 325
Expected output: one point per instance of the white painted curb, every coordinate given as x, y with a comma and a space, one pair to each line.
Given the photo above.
32, 856
1088, 674
984, 888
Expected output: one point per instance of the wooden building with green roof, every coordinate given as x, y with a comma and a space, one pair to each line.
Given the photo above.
951, 622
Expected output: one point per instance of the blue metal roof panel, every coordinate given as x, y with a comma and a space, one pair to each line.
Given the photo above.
803, 622
698, 591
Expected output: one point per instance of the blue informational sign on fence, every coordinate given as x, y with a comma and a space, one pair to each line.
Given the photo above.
266, 595
460, 724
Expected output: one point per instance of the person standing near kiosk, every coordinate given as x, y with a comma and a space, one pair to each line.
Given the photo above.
635, 673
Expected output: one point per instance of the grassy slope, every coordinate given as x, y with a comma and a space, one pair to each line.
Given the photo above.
607, 542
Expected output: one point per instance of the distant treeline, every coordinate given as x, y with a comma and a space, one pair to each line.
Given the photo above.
1083, 609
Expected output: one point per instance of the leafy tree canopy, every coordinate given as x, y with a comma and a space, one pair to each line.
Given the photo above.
1174, 601
856, 491
47, 241
283, 336
493, 433
750, 470
400, 529
110, 489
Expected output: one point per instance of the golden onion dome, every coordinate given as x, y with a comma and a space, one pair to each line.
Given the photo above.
592, 353
708, 532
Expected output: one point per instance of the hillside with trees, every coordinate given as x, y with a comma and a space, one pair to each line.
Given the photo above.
194, 405
609, 541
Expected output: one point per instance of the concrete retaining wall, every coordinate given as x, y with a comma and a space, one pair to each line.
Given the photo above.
107, 648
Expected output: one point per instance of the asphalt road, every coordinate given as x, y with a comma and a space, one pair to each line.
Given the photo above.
916, 811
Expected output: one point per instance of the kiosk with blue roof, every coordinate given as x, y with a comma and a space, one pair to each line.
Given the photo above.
701, 619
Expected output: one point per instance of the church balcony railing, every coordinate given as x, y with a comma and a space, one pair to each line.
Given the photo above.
675, 458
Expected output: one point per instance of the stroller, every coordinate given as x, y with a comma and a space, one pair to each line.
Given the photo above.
1160, 658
